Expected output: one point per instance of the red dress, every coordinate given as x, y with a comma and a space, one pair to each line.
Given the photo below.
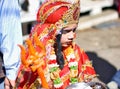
27, 79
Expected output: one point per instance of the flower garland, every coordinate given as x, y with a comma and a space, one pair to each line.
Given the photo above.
55, 70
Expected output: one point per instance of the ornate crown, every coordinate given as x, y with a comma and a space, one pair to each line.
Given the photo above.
59, 12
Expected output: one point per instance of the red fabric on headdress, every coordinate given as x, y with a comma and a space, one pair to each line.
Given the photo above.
55, 15
44, 31
39, 28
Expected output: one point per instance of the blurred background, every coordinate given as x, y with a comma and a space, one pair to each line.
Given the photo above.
98, 33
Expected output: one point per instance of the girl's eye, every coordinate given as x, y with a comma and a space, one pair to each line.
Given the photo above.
68, 30
74, 29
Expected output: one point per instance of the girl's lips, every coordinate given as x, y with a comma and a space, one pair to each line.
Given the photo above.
69, 43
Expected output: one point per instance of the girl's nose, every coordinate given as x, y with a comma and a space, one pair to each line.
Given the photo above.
71, 35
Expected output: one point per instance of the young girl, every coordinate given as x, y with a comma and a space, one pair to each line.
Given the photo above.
51, 59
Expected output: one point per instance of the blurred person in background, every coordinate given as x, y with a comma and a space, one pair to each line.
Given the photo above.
10, 37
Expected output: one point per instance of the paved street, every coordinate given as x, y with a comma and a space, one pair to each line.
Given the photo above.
102, 44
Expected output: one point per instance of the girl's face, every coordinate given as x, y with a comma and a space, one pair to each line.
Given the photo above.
68, 35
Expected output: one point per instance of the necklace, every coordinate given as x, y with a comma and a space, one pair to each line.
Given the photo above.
55, 70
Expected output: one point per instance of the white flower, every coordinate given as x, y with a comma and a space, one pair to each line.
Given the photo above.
70, 56
53, 65
58, 85
72, 64
52, 57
